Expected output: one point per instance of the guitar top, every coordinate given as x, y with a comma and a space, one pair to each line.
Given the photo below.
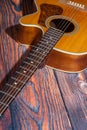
68, 16
51, 12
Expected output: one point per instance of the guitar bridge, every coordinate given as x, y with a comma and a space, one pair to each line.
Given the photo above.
74, 4
81, 6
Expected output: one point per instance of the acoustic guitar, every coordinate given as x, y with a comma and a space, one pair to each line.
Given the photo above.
58, 24
66, 19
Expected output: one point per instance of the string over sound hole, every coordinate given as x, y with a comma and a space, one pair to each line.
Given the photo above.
62, 24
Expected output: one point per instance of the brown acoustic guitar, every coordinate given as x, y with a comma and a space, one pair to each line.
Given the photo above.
58, 24
70, 52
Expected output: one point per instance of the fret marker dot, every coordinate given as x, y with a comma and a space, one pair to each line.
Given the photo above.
32, 62
24, 71
15, 83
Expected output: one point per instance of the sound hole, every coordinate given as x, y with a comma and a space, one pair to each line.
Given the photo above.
62, 24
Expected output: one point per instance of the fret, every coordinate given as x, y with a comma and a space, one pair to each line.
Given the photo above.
31, 64
54, 34
45, 47
1, 103
17, 76
1, 95
17, 80
5, 104
5, 93
13, 86
40, 51
25, 68
56, 30
46, 39
34, 55
42, 55
50, 38
21, 70
44, 42
28, 70
24, 75
2, 107
24, 64
12, 82
37, 48
31, 59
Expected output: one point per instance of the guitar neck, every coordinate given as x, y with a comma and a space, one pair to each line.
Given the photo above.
25, 70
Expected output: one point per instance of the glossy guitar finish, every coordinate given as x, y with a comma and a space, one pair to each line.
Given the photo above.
70, 53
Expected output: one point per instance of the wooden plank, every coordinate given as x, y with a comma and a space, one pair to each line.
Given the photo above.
75, 100
39, 105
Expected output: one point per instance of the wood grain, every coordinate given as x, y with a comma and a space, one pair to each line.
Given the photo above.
75, 100
51, 100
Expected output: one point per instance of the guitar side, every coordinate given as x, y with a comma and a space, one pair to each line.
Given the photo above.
70, 53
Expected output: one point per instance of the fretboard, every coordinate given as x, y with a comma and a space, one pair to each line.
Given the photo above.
28, 66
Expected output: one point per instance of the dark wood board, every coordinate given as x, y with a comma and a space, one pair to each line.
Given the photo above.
50, 100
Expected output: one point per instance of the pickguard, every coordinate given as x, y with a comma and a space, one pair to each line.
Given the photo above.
48, 10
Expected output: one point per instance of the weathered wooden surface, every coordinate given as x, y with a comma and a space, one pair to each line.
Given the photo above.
51, 100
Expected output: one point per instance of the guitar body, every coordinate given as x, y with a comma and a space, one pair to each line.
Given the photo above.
70, 53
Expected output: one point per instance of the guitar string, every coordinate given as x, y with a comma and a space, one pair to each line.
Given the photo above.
62, 23
55, 97
65, 10
14, 94
71, 7
67, 21
66, 7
